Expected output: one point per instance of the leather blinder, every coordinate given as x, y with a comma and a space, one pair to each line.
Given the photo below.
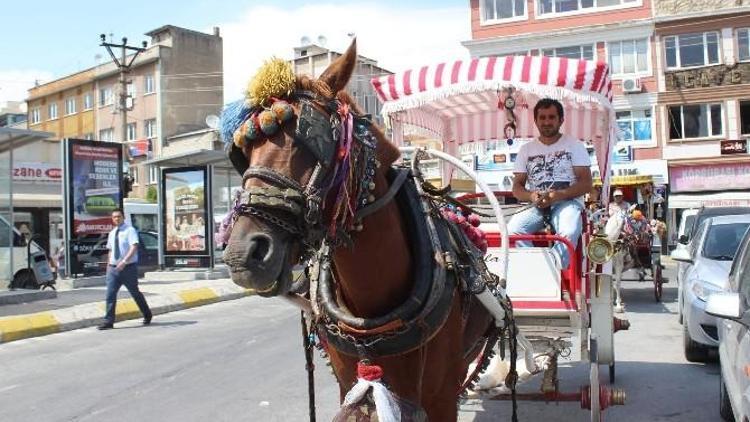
315, 131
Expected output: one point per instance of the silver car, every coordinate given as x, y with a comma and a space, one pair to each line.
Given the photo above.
708, 259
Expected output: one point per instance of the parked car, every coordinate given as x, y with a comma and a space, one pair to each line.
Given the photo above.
708, 258
733, 307
686, 221
93, 252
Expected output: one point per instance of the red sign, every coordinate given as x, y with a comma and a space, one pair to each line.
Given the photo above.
711, 177
37, 172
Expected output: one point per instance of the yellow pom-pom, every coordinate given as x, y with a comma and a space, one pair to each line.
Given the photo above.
274, 79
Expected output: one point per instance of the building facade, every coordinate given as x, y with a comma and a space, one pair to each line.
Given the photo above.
312, 60
704, 101
173, 86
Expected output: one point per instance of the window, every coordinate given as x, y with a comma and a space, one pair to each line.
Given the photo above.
572, 6
150, 128
107, 135
635, 126
131, 132
743, 44
131, 90
502, 9
52, 109
36, 115
149, 86
135, 173
88, 102
585, 52
628, 57
105, 96
695, 121
687, 50
745, 117
153, 175
70, 106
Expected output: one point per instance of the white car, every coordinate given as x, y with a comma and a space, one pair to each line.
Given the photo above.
733, 307
708, 259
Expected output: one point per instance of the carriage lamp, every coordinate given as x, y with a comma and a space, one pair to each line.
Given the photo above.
600, 250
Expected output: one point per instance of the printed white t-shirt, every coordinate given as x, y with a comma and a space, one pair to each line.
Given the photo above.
551, 166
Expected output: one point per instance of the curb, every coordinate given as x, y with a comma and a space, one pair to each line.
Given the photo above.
90, 314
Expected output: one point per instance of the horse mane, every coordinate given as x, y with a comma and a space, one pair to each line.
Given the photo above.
387, 153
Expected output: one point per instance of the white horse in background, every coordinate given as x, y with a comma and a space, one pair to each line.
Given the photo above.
623, 258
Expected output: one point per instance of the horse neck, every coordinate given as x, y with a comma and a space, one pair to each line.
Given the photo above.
614, 227
374, 275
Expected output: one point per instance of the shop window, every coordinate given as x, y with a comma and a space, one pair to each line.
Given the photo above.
628, 57
585, 52
695, 121
635, 126
745, 117
689, 50
496, 10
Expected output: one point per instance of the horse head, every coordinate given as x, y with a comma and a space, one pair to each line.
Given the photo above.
309, 158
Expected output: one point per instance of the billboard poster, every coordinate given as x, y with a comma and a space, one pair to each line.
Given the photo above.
93, 172
185, 211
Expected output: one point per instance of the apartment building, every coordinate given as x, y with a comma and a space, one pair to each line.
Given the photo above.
312, 59
704, 101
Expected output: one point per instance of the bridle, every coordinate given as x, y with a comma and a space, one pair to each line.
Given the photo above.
327, 129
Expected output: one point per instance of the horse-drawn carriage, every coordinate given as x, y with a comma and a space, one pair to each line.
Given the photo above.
399, 290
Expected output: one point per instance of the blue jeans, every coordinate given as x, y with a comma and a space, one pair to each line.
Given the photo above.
566, 219
129, 278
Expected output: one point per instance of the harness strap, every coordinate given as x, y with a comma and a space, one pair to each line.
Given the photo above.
270, 175
380, 202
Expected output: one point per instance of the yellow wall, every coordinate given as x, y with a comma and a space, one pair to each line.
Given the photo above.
76, 125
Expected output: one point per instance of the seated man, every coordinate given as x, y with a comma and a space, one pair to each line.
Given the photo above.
553, 172
619, 204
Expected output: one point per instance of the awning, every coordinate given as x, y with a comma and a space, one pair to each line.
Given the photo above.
199, 157
34, 200
14, 138
626, 180
719, 199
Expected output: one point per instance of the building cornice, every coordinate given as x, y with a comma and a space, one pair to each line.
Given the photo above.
701, 14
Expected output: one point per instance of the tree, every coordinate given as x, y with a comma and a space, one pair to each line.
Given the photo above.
151, 194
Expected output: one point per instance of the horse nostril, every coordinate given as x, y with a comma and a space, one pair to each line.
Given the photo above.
259, 248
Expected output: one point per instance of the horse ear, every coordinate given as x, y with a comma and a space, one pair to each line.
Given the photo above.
338, 73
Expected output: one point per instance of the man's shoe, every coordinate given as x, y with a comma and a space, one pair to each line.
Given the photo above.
147, 320
106, 326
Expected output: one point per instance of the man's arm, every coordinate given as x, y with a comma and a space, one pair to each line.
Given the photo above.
131, 251
581, 187
520, 191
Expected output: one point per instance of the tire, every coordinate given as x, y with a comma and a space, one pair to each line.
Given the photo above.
694, 351
658, 283
725, 406
612, 373
25, 280
680, 318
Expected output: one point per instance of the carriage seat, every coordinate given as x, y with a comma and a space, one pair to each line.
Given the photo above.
533, 274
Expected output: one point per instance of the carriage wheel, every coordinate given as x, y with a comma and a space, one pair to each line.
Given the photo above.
596, 411
658, 281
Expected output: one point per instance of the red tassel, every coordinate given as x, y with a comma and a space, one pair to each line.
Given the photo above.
369, 372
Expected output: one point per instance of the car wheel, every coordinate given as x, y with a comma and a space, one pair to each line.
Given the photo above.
725, 406
680, 318
694, 351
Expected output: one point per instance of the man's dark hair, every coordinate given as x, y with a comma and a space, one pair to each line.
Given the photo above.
117, 210
547, 103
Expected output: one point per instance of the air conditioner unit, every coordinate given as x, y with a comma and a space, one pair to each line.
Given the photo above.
631, 85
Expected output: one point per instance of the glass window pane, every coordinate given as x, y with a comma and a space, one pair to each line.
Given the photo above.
569, 52
489, 9
671, 51
691, 50
620, 115
504, 9
545, 6
615, 62
712, 47
743, 44
745, 117
626, 129
605, 3
566, 5
628, 57
716, 124
588, 52
587, 3
642, 130
520, 7
695, 121
641, 50
675, 123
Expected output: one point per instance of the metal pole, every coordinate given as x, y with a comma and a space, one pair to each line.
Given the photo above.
208, 199
12, 224
124, 99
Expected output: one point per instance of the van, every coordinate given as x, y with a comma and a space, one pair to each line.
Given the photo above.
142, 215
30, 268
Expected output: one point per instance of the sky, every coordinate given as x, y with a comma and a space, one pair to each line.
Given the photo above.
45, 40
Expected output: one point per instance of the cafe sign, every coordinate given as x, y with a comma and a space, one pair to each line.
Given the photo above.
714, 177
721, 75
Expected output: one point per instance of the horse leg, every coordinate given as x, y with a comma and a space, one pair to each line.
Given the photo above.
619, 264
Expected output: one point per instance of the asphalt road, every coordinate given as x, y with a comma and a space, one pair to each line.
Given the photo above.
242, 361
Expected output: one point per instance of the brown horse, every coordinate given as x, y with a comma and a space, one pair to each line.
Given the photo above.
374, 273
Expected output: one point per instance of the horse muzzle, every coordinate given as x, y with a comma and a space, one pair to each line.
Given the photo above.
260, 262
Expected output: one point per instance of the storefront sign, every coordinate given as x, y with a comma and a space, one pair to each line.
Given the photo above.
185, 211
713, 177
37, 172
638, 170
734, 147
93, 171
721, 75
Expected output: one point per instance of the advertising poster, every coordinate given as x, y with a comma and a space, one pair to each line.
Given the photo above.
185, 217
93, 175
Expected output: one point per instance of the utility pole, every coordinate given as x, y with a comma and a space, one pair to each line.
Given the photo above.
124, 67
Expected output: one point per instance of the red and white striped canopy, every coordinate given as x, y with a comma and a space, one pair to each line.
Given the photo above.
458, 101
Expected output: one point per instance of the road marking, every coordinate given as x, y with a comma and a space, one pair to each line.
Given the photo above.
26, 326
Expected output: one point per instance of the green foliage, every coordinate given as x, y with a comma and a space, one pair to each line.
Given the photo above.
151, 195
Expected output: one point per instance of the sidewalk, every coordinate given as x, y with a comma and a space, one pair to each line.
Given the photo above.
84, 307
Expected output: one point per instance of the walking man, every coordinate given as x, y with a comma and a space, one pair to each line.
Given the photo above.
122, 269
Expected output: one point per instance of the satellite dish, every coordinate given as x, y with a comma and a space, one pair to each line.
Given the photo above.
305, 40
322, 41
212, 121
